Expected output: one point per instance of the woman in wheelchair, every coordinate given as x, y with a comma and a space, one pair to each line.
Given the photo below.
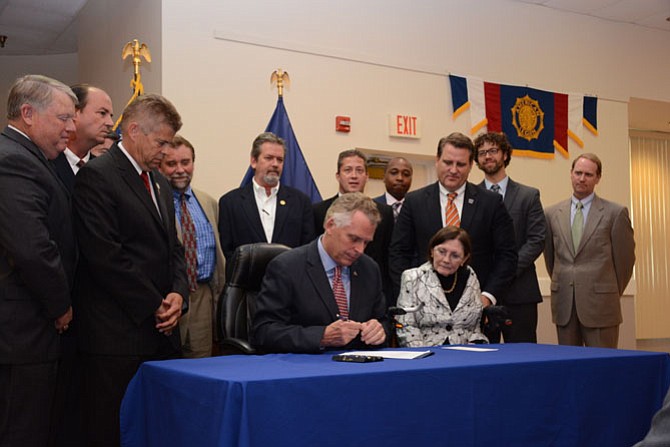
449, 291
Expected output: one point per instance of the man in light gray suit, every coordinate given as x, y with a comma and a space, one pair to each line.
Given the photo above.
590, 253
197, 210
493, 155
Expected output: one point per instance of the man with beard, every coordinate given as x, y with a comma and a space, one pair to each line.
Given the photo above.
195, 214
397, 180
264, 210
493, 155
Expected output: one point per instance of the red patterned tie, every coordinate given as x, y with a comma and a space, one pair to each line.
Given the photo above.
452, 211
190, 244
340, 294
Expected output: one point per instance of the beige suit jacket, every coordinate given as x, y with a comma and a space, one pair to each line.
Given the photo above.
211, 208
598, 271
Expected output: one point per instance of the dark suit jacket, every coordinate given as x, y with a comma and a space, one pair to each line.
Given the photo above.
296, 301
64, 170
484, 217
130, 258
37, 252
530, 227
239, 222
378, 249
381, 199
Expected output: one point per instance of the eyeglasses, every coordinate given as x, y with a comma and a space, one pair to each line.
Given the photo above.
442, 253
492, 151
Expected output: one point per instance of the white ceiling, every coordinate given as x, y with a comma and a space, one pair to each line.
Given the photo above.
39, 27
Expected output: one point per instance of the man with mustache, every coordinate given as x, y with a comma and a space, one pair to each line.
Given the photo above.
265, 210
37, 256
196, 219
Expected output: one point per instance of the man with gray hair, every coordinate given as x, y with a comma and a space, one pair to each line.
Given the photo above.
131, 281
327, 294
37, 255
264, 210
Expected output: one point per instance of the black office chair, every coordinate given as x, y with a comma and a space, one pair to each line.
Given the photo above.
238, 300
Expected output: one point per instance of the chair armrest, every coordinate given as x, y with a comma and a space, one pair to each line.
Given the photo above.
236, 346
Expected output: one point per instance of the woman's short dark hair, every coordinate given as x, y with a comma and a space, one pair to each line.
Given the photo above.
448, 233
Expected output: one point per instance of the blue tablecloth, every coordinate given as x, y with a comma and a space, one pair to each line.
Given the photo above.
520, 395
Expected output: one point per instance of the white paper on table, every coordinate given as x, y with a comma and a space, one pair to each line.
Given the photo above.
469, 348
401, 355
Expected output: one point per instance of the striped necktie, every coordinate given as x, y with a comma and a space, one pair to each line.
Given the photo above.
452, 219
340, 293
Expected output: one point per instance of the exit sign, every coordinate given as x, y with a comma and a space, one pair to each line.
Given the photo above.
404, 126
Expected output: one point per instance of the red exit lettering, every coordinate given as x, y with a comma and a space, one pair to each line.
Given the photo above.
405, 125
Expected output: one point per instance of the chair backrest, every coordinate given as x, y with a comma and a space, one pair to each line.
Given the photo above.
238, 301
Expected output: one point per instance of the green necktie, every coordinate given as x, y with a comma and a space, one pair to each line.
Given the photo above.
578, 226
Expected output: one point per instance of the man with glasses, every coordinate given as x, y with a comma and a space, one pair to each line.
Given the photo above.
493, 155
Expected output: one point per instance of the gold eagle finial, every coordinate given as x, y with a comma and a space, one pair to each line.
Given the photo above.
137, 51
280, 77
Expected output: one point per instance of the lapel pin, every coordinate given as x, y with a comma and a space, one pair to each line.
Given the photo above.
282, 202
355, 273
471, 201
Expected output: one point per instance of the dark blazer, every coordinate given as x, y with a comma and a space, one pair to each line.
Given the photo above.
130, 258
484, 217
381, 199
296, 301
530, 228
64, 170
378, 249
239, 222
37, 252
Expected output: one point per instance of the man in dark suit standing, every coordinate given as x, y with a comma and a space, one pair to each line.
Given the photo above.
196, 216
327, 294
93, 121
264, 210
590, 253
37, 256
131, 284
452, 200
352, 175
397, 180
523, 204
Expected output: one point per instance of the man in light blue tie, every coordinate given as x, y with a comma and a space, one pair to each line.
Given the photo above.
493, 155
590, 253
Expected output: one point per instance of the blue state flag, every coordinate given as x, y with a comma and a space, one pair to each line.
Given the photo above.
296, 172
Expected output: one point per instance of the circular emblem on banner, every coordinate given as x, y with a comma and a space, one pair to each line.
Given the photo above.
527, 118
